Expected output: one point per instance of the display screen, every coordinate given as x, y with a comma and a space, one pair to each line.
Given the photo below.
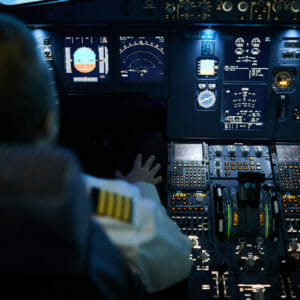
188, 152
142, 58
288, 153
247, 58
243, 107
207, 67
86, 59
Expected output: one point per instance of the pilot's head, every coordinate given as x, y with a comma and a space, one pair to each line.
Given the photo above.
27, 101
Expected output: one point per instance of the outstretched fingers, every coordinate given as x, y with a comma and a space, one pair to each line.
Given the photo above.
149, 162
155, 169
138, 161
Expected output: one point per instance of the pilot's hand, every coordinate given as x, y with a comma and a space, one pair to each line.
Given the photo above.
142, 173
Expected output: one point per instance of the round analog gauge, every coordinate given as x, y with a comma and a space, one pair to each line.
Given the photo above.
255, 51
206, 99
142, 58
283, 79
239, 42
255, 42
239, 51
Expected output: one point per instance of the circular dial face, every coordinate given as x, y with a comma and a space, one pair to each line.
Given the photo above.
239, 42
256, 42
283, 79
206, 99
239, 51
255, 51
142, 58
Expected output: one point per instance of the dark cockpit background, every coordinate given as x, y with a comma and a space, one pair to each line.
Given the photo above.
213, 88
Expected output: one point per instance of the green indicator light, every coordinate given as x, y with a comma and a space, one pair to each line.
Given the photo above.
229, 221
267, 220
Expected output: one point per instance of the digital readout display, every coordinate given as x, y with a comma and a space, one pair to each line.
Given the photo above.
188, 152
288, 153
86, 59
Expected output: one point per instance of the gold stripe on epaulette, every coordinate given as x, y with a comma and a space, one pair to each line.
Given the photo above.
114, 205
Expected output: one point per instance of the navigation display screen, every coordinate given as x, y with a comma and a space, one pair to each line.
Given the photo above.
243, 107
188, 152
142, 58
288, 153
86, 59
247, 58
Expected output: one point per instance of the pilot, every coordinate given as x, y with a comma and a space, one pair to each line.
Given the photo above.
128, 208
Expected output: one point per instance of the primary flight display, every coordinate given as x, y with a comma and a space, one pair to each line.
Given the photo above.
86, 59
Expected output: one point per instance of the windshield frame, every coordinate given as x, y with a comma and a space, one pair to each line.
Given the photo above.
32, 2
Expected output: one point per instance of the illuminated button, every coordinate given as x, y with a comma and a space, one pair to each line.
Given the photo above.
184, 208
245, 168
201, 208
297, 211
227, 163
173, 208
252, 168
196, 208
183, 203
190, 208
251, 164
258, 164
258, 168
233, 168
245, 164
284, 205
240, 168
251, 158
173, 203
292, 210
227, 173
232, 158
239, 164
226, 168
285, 211
233, 163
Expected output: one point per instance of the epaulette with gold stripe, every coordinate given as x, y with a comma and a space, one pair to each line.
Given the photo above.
112, 205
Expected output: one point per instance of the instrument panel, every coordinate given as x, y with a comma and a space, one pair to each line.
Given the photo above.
89, 61
242, 217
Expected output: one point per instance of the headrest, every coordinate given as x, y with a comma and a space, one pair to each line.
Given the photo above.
44, 211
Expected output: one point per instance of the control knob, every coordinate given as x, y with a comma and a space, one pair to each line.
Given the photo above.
258, 151
243, 6
231, 150
295, 7
170, 9
218, 150
245, 150
277, 6
227, 6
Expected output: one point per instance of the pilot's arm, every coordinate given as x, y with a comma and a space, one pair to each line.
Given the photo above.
136, 222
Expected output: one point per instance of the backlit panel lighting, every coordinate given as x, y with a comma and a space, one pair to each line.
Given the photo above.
15, 2
207, 67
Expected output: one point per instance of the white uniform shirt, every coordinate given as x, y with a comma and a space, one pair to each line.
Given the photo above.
152, 244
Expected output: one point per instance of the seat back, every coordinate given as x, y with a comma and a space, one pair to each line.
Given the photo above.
50, 247
44, 213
